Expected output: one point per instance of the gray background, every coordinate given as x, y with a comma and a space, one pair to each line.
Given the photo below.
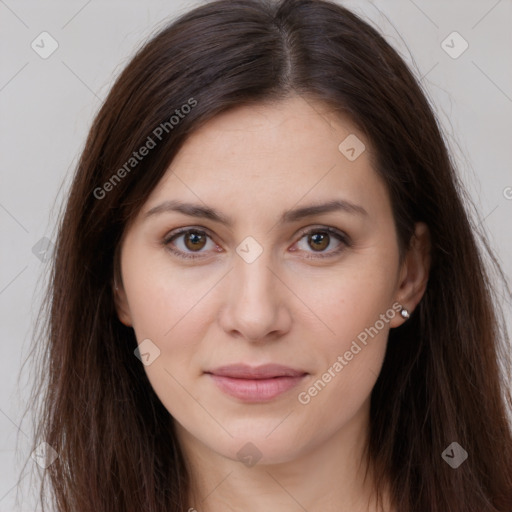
47, 106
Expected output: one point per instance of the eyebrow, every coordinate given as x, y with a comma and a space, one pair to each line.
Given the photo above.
195, 210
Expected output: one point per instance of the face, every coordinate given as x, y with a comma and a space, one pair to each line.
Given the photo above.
261, 320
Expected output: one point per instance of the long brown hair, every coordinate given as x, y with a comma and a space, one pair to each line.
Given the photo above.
444, 377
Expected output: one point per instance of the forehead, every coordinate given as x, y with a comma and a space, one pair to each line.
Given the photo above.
273, 154
282, 132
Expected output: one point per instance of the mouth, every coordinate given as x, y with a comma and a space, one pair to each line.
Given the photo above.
256, 384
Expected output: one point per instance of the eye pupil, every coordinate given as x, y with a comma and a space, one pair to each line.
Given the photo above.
322, 238
195, 239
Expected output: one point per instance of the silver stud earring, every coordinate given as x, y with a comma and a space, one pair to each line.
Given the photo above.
404, 313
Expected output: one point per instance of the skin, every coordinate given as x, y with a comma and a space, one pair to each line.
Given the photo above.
252, 164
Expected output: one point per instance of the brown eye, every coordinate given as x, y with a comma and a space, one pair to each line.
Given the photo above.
325, 242
194, 240
319, 241
189, 243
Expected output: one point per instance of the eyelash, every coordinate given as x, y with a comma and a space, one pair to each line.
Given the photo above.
342, 237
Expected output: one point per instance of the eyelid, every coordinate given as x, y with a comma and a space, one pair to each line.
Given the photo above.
331, 230
179, 231
340, 235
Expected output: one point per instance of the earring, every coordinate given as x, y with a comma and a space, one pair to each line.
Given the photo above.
404, 312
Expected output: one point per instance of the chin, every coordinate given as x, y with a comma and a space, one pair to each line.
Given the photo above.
251, 445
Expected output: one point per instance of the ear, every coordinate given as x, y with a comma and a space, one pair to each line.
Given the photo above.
414, 272
121, 304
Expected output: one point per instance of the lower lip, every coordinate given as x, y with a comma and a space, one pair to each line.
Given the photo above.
255, 390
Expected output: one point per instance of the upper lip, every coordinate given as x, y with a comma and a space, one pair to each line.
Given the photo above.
266, 371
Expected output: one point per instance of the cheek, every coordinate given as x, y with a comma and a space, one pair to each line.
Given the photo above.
161, 296
172, 314
349, 360
172, 308
356, 306
349, 299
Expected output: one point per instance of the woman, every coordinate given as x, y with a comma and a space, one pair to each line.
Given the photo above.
266, 293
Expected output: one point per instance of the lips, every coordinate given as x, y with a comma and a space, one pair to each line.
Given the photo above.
267, 371
255, 384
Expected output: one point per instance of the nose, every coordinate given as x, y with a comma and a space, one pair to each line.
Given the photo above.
257, 306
